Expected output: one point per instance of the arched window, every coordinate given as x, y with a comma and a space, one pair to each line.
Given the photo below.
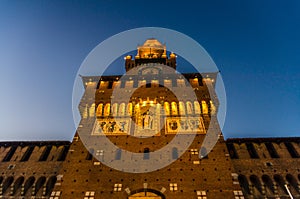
122, 109
146, 193
256, 185
28, 184
39, 184
280, 183
114, 110
293, 183
174, 108
129, 109
50, 185
100, 110
204, 107
174, 153
158, 109
167, 108
197, 107
189, 108
244, 184
6, 184
146, 154
107, 109
17, 185
168, 83
269, 183
212, 108
85, 111
181, 109
92, 110
137, 109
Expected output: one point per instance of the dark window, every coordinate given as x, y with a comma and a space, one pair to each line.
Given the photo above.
45, 153
28, 184
251, 150
174, 83
203, 153
256, 184
122, 84
268, 182
50, 185
244, 184
118, 154
27, 154
135, 83
232, 151
90, 154
39, 184
17, 185
161, 82
146, 154
269, 164
293, 182
148, 85
174, 153
187, 82
6, 184
98, 85
292, 150
200, 82
10, 154
63, 154
271, 149
280, 182
110, 84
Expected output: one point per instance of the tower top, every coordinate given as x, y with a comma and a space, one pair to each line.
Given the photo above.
152, 51
152, 48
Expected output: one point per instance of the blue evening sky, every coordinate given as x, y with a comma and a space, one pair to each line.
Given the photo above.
255, 44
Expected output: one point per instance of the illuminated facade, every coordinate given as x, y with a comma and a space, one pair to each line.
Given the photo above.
140, 113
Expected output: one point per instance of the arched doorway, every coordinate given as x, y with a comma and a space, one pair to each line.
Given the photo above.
146, 194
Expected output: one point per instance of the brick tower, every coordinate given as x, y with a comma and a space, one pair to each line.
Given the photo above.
149, 109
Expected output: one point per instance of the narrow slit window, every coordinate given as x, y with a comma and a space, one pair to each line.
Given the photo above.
291, 149
27, 154
10, 154
45, 153
251, 150
63, 153
271, 149
232, 151
146, 154
118, 154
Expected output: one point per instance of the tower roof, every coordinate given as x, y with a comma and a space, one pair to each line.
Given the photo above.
152, 43
152, 48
